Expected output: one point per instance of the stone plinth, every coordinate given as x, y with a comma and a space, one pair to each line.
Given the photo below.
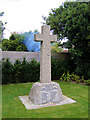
43, 93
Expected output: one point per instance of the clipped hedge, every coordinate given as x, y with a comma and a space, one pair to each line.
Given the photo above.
21, 72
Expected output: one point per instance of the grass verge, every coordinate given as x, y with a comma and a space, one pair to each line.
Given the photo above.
12, 107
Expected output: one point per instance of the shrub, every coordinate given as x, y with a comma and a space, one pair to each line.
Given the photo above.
20, 72
33, 71
7, 69
71, 77
53, 68
87, 82
58, 67
24, 71
65, 77
16, 71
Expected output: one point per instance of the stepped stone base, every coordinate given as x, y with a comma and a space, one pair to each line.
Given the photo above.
43, 93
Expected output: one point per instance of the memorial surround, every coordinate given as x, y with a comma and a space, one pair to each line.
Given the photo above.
45, 93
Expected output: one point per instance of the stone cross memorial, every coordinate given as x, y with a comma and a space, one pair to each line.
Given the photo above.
45, 60
45, 91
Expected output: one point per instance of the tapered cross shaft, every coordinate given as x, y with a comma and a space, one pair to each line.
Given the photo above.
45, 58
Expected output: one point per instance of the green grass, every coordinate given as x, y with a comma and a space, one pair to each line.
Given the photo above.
12, 107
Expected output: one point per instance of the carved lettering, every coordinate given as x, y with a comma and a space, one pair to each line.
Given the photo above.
48, 93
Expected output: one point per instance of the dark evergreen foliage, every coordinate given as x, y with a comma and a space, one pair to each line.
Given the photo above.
71, 21
21, 72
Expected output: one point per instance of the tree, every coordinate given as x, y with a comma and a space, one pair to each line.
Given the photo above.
32, 45
1, 28
21, 42
15, 43
56, 47
71, 21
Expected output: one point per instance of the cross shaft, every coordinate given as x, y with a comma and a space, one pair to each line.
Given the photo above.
45, 59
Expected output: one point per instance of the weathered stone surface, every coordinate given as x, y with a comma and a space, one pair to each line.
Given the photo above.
45, 59
43, 93
19, 55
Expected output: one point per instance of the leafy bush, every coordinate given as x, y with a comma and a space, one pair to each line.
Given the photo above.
87, 82
20, 72
55, 47
33, 71
83, 68
71, 77
15, 43
24, 71
65, 77
58, 67
7, 69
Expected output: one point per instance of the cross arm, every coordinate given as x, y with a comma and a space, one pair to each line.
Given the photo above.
42, 37
53, 38
38, 37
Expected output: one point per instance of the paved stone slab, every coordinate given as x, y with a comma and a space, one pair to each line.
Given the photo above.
29, 105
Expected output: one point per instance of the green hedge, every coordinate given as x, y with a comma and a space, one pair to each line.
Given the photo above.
58, 67
21, 72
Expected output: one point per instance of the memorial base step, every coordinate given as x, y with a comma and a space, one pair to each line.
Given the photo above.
43, 93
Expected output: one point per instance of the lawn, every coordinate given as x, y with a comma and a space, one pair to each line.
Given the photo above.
12, 107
